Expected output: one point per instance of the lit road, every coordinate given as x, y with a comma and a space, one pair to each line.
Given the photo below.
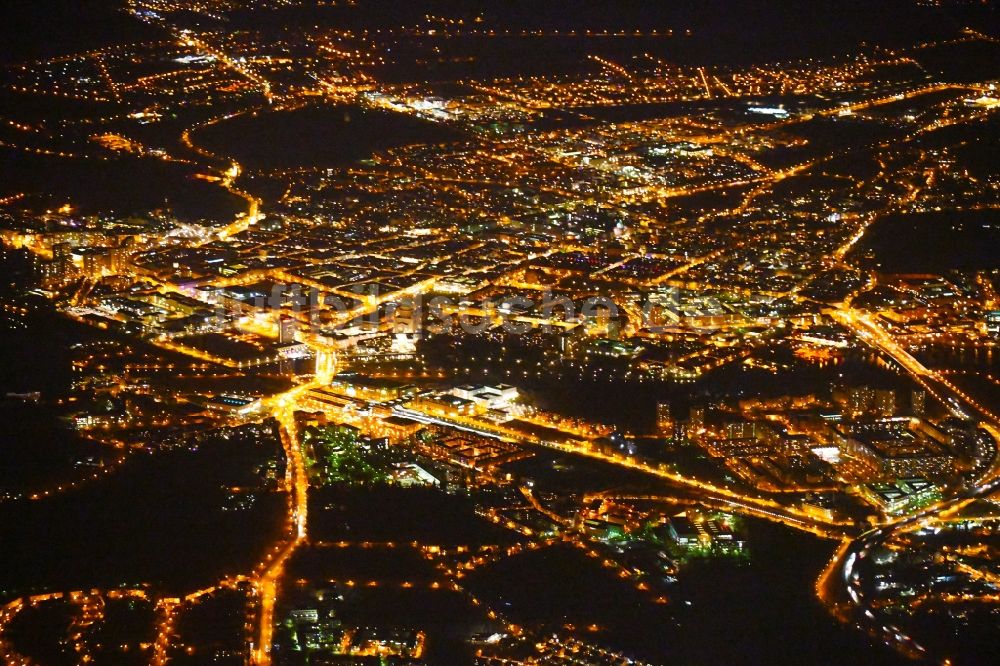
839, 586
560, 173
955, 400
731, 505
297, 482
840, 589
253, 214
750, 504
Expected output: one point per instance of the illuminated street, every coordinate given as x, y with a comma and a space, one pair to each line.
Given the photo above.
456, 332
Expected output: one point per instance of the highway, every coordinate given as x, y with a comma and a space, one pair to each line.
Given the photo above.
760, 507
839, 586
955, 400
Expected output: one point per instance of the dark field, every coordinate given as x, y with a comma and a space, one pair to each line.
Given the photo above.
934, 242
315, 136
